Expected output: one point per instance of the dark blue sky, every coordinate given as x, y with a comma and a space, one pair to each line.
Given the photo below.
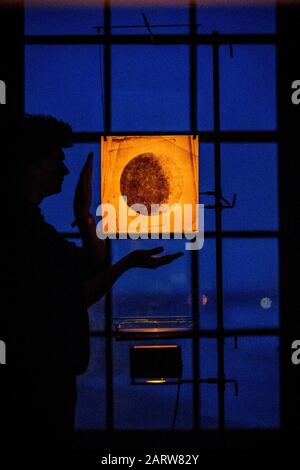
150, 91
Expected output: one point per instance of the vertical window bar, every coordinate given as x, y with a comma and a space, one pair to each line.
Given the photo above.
219, 254
195, 253
108, 298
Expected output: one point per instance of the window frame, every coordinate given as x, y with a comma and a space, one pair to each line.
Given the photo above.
216, 137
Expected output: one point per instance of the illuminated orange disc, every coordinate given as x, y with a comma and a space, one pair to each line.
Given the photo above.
147, 179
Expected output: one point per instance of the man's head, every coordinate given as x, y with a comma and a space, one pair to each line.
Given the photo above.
37, 153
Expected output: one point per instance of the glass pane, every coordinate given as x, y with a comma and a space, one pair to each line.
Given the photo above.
150, 88
207, 182
91, 400
207, 285
236, 19
96, 311
161, 292
208, 358
64, 81
208, 392
250, 171
97, 315
209, 406
205, 88
250, 280
156, 15
248, 88
255, 365
150, 406
58, 209
60, 20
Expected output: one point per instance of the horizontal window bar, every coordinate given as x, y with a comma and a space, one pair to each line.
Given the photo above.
159, 39
205, 136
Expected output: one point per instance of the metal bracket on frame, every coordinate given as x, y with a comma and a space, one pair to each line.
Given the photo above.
227, 205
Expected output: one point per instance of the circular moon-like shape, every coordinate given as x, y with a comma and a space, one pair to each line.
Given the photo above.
266, 303
151, 180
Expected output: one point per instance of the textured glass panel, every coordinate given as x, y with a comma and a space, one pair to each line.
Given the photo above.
248, 88
59, 20
150, 406
58, 209
91, 400
64, 81
255, 365
250, 281
250, 171
236, 19
150, 88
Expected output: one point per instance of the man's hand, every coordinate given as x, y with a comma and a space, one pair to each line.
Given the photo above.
94, 248
97, 286
83, 193
146, 258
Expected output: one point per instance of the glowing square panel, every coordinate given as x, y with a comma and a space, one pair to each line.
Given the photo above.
151, 182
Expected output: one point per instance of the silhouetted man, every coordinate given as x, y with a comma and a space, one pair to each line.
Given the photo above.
49, 283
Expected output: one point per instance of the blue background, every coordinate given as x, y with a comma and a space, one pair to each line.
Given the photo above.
150, 91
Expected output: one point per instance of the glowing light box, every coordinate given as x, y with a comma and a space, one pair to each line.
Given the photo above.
151, 182
154, 327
